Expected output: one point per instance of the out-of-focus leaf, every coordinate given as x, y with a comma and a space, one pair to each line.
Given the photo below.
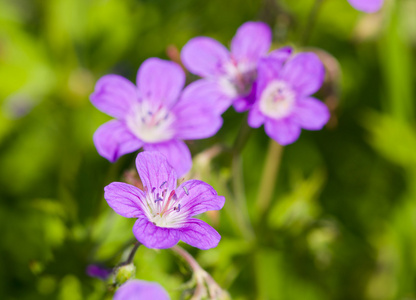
393, 138
298, 208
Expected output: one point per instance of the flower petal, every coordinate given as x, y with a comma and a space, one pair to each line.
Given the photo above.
282, 54
311, 114
282, 131
160, 81
199, 234
242, 104
114, 95
368, 6
204, 56
113, 139
210, 92
252, 41
177, 154
269, 68
305, 72
139, 289
153, 236
255, 117
125, 199
195, 116
155, 171
197, 197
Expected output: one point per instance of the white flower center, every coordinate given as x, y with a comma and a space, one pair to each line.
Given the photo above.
238, 79
151, 124
277, 100
163, 208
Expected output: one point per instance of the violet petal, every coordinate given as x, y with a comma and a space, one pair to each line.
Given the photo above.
154, 170
368, 6
114, 95
160, 81
140, 289
252, 41
198, 197
305, 73
282, 131
177, 154
113, 139
153, 236
204, 56
199, 234
311, 114
125, 199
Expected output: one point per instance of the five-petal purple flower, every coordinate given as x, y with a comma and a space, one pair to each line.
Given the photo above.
154, 115
368, 6
283, 101
139, 289
229, 77
164, 211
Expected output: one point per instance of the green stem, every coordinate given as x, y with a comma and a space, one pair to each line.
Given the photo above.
268, 177
131, 255
310, 23
241, 213
240, 197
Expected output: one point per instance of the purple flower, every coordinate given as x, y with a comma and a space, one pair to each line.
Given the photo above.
98, 272
283, 103
368, 6
164, 211
229, 76
154, 115
140, 289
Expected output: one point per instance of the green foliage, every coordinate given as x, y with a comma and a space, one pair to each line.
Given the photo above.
342, 218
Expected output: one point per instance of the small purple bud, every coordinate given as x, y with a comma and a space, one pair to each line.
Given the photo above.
98, 271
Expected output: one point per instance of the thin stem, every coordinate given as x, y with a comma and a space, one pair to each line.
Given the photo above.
187, 257
242, 137
240, 197
132, 253
202, 278
311, 22
268, 177
241, 213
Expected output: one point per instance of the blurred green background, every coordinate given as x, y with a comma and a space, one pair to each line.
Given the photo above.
342, 220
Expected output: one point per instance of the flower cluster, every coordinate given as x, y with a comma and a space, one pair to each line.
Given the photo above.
159, 113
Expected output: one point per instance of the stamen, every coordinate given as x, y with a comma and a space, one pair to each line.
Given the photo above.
186, 190
178, 209
158, 199
163, 184
153, 189
164, 193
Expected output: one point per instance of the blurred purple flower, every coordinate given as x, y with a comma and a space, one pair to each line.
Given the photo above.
283, 103
164, 211
368, 6
229, 77
141, 290
154, 115
98, 272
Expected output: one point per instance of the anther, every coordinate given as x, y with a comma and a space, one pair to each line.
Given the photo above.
153, 189
163, 184
178, 209
158, 199
186, 190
